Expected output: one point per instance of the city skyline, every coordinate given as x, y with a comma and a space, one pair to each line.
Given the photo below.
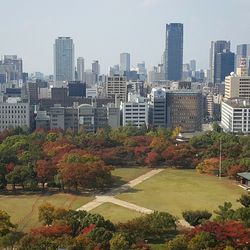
138, 29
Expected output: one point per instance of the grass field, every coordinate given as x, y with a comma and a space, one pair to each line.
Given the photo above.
23, 209
174, 191
124, 175
115, 213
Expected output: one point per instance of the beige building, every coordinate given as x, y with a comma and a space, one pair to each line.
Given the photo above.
117, 86
238, 85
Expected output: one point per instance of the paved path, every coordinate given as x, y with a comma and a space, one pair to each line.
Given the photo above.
109, 196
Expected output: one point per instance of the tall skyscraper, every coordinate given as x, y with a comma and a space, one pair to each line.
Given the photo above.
173, 54
192, 65
243, 51
96, 70
64, 59
124, 62
80, 69
216, 48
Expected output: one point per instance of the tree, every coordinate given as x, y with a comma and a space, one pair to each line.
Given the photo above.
243, 215
45, 171
178, 243
245, 200
209, 166
46, 214
5, 224
197, 217
225, 212
10, 240
119, 242
202, 240
152, 159
3, 172
52, 231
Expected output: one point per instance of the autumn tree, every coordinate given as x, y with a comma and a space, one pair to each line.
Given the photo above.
197, 217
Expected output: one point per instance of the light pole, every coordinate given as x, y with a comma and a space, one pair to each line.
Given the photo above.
220, 160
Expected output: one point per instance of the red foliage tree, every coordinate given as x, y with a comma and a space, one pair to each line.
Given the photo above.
232, 172
55, 230
152, 159
45, 171
232, 232
88, 229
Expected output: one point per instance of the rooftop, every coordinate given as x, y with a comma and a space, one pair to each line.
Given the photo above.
245, 175
238, 102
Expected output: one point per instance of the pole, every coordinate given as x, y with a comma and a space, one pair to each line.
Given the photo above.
220, 160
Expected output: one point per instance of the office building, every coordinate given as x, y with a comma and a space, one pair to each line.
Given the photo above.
64, 59
95, 71
192, 65
158, 108
237, 86
135, 111
14, 113
64, 117
224, 66
77, 88
235, 115
80, 69
42, 120
124, 62
117, 86
184, 110
243, 51
86, 117
173, 54
11, 69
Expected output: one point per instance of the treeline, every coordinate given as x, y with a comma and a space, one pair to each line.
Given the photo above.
79, 230
85, 160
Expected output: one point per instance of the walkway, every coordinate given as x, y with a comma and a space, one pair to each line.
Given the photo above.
109, 196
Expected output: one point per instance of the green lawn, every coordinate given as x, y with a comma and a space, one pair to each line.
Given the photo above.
124, 175
174, 191
115, 213
23, 209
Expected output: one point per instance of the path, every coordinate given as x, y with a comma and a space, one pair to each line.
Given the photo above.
109, 196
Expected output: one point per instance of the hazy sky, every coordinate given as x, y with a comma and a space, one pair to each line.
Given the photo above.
101, 29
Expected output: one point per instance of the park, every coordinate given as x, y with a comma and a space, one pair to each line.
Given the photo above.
170, 191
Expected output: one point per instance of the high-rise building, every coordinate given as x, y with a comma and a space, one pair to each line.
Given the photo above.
80, 69
173, 54
192, 65
11, 69
124, 62
220, 61
243, 51
224, 65
64, 59
96, 70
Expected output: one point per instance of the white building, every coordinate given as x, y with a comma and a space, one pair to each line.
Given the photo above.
135, 111
13, 114
235, 115
80, 69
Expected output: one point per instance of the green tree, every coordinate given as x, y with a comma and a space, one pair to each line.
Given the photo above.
10, 240
5, 224
245, 200
225, 212
119, 242
195, 218
203, 240
178, 243
46, 214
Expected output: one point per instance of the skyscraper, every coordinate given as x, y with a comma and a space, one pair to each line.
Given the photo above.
64, 59
96, 70
124, 62
80, 69
173, 54
216, 48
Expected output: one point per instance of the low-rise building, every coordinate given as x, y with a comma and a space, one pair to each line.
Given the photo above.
14, 113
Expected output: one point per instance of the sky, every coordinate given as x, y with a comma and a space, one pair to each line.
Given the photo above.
102, 29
